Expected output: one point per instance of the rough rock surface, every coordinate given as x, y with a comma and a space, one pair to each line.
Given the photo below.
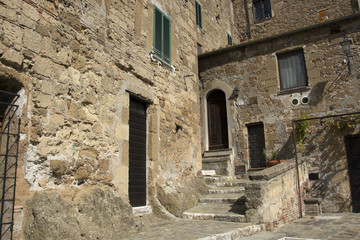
177, 197
99, 214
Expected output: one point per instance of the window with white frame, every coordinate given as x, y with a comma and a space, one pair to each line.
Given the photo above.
292, 70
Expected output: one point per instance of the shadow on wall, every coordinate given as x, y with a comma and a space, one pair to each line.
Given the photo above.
288, 149
325, 152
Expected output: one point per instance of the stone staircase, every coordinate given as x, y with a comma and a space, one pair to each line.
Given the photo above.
224, 202
218, 160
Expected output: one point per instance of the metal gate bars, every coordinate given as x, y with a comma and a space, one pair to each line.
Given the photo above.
9, 146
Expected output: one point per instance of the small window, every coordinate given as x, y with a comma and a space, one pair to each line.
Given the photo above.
198, 14
162, 36
229, 38
292, 70
262, 10
199, 49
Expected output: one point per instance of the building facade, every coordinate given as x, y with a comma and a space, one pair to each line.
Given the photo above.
114, 103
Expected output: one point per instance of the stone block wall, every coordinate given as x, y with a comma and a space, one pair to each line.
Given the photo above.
79, 62
287, 16
218, 21
251, 69
272, 197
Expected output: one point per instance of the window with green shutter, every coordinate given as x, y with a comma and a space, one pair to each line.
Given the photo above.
162, 36
198, 14
229, 38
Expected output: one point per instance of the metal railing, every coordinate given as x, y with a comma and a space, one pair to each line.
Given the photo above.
9, 148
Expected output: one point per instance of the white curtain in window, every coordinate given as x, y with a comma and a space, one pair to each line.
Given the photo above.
292, 70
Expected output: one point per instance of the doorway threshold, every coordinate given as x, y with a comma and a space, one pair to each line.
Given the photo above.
140, 211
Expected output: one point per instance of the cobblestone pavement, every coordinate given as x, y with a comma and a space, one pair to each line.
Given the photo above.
340, 226
195, 229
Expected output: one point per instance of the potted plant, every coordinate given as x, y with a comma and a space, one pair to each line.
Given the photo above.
271, 160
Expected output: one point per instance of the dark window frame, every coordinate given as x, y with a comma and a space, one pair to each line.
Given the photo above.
229, 39
261, 10
198, 9
162, 39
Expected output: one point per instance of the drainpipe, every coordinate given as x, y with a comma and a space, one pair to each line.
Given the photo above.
247, 19
297, 171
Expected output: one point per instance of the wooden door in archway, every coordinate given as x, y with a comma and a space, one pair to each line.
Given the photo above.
217, 120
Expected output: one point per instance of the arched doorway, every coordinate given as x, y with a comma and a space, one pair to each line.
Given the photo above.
217, 120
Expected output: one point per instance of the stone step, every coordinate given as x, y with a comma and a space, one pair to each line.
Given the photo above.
216, 212
235, 198
225, 190
217, 153
216, 159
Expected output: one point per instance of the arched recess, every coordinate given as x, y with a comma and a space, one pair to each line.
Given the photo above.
213, 88
217, 120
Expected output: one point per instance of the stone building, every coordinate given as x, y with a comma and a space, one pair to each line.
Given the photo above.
113, 98
289, 65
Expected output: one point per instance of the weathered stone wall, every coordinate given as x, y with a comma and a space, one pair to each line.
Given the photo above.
218, 20
252, 69
325, 152
79, 62
272, 197
288, 15
92, 213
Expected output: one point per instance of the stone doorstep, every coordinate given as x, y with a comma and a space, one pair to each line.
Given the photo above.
237, 233
215, 159
215, 217
224, 190
140, 211
217, 153
223, 198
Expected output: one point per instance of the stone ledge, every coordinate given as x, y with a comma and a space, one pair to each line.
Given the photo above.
272, 172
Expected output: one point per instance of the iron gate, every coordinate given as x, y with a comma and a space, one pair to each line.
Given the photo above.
9, 146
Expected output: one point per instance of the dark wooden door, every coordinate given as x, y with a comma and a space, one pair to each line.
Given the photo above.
256, 141
137, 153
217, 120
352, 143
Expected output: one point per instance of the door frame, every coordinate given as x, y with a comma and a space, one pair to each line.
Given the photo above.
224, 124
215, 85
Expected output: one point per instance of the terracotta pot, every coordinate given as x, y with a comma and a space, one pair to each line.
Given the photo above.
271, 163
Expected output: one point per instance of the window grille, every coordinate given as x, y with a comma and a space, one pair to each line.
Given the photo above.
262, 10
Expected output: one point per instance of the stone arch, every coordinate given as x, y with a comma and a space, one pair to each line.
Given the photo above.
208, 88
11, 83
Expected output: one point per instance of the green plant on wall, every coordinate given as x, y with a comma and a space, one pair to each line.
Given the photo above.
269, 157
345, 122
302, 128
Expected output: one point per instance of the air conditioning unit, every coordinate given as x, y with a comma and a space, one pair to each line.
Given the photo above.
304, 100
295, 101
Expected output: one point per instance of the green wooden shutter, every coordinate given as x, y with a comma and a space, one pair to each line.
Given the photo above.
229, 39
157, 32
166, 40
162, 36
198, 15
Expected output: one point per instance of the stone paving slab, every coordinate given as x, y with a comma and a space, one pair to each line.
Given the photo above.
339, 226
197, 230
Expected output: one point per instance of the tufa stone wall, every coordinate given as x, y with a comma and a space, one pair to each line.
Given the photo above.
272, 197
79, 62
288, 15
218, 21
324, 150
252, 69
